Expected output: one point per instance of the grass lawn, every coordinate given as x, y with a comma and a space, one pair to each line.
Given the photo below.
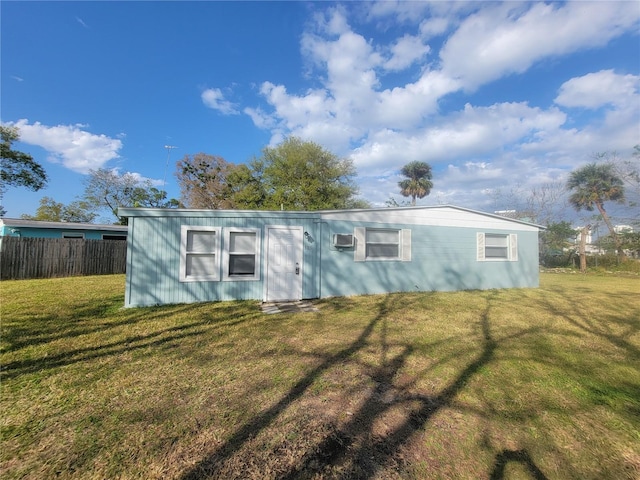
502, 384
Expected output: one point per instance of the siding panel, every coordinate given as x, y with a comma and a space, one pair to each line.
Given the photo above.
443, 254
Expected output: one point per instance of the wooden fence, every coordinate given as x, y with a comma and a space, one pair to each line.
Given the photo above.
23, 258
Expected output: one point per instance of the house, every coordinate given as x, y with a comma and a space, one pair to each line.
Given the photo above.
14, 227
184, 256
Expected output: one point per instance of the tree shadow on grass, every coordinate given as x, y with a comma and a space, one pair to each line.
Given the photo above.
355, 450
31, 330
515, 456
208, 467
617, 328
161, 337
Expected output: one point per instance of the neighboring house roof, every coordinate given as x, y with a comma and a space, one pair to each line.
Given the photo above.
21, 223
381, 213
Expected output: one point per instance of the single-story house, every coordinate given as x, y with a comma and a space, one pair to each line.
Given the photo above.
15, 227
185, 256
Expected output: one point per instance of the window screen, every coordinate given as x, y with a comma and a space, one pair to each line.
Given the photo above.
199, 253
200, 265
383, 243
72, 235
242, 253
201, 242
496, 246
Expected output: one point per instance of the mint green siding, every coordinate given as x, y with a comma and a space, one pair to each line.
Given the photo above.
10, 227
440, 252
442, 259
153, 259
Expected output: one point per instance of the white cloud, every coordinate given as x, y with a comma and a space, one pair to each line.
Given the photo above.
432, 27
260, 118
70, 145
473, 132
598, 89
407, 106
505, 39
82, 22
362, 110
214, 98
405, 52
296, 110
402, 11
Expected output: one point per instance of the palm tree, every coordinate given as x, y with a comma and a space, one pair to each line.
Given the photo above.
592, 185
418, 182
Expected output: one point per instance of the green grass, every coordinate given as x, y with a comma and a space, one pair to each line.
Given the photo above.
500, 384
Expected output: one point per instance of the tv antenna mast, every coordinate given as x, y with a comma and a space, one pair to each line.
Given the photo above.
169, 148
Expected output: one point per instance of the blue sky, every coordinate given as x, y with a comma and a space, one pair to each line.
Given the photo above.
497, 97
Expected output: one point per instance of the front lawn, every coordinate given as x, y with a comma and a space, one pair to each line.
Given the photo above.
500, 384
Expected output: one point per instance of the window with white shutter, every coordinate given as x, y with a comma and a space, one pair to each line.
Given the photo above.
380, 244
497, 247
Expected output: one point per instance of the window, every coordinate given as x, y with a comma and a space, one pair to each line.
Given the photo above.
374, 244
241, 250
199, 253
382, 243
497, 246
113, 237
72, 235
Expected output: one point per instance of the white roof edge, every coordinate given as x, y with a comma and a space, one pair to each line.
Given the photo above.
20, 222
131, 212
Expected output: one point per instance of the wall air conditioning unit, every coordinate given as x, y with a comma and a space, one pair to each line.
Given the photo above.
342, 240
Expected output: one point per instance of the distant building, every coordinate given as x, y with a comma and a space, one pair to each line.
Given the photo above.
590, 247
579, 232
623, 229
16, 227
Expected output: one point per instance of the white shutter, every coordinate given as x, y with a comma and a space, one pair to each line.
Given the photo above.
406, 245
359, 253
480, 246
513, 247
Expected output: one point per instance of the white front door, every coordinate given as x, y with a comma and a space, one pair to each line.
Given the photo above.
284, 263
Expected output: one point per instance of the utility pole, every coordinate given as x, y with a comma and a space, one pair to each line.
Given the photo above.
169, 148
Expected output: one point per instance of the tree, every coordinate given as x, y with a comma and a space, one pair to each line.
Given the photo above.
107, 189
148, 196
543, 204
48, 211
52, 211
631, 241
628, 170
418, 182
203, 181
301, 175
592, 185
18, 169
556, 243
78, 211
392, 202
244, 188
558, 236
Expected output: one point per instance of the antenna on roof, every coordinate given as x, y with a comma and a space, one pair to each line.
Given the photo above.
169, 148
